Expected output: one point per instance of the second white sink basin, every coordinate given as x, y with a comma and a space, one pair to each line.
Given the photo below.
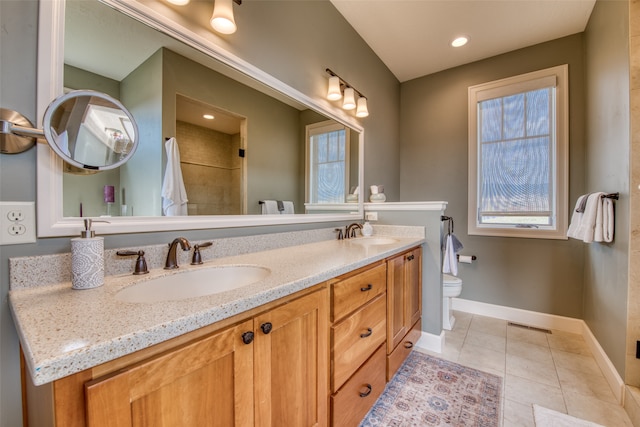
193, 283
374, 241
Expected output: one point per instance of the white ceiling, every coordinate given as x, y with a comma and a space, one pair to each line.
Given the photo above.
412, 37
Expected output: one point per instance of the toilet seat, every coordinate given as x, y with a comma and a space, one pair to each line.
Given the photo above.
450, 281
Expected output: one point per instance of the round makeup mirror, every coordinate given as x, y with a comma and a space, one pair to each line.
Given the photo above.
87, 129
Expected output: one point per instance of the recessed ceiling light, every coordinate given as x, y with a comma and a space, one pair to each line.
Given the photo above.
208, 117
459, 41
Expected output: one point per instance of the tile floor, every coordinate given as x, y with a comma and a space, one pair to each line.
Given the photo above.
555, 370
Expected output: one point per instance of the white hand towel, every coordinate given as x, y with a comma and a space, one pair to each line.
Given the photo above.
450, 264
586, 229
288, 208
174, 195
270, 207
576, 219
607, 220
598, 235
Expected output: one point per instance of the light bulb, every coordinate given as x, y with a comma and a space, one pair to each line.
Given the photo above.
334, 93
179, 2
459, 41
362, 110
349, 99
222, 19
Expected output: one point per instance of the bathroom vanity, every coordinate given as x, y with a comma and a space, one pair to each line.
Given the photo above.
298, 347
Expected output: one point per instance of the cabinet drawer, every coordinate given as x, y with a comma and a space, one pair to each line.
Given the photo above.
349, 405
355, 339
350, 294
400, 353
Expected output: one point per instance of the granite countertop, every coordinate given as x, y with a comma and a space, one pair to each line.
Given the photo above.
65, 331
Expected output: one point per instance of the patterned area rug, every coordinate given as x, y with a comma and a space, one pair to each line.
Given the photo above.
428, 391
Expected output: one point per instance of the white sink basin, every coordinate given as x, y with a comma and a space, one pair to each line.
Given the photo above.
193, 283
373, 241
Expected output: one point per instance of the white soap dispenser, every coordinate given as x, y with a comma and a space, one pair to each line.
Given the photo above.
367, 229
87, 259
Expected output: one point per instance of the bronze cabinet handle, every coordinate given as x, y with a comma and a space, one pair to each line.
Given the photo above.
266, 327
411, 257
367, 334
368, 392
367, 288
247, 337
408, 344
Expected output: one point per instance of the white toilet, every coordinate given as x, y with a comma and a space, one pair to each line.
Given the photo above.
451, 287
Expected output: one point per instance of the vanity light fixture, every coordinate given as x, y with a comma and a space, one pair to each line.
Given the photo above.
362, 110
334, 92
222, 19
349, 99
338, 88
459, 41
208, 116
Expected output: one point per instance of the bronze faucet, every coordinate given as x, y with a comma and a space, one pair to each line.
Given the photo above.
172, 258
350, 230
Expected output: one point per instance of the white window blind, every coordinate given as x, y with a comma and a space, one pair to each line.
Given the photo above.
518, 144
327, 162
516, 139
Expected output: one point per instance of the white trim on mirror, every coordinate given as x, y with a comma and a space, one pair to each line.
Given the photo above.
51, 223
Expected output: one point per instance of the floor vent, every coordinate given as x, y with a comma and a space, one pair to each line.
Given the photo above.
533, 328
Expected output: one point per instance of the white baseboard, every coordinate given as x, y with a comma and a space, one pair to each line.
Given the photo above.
608, 370
632, 404
431, 342
549, 321
531, 318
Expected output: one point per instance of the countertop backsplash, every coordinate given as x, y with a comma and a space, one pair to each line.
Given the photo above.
43, 270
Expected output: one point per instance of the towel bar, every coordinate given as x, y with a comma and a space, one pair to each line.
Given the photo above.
614, 196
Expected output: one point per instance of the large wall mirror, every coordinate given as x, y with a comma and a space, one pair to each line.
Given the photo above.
253, 150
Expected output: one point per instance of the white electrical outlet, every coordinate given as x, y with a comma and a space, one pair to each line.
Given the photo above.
371, 216
17, 223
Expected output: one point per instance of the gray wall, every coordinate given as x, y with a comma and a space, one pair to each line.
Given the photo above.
18, 20
274, 36
141, 176
607, 166
532, 274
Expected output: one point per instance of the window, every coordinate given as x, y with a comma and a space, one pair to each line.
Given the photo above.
518, 161
327, 162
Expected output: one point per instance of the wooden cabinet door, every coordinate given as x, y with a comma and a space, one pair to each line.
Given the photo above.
404, 295
291, 363
397, 323
414, 286
208, 382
